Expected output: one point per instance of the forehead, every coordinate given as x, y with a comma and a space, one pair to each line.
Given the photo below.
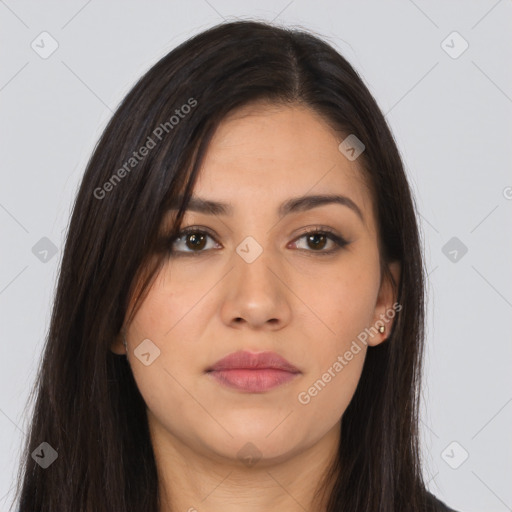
264, 153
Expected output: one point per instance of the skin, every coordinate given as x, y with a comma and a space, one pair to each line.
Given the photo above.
292, 300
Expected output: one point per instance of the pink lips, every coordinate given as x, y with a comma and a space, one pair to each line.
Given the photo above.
253, 373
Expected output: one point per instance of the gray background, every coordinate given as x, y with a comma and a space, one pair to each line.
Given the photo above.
451, 118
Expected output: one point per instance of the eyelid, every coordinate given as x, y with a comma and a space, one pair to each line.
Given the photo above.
192, 229
331, 234
339, 240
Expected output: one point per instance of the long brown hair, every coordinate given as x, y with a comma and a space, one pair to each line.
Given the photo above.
87, 404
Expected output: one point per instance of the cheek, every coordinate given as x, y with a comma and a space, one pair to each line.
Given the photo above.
326, 395
344, 302
347, 309
335, 353
164, 318
170, 385
171, 308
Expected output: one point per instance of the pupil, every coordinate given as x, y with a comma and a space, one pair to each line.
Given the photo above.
197, 241
315, 237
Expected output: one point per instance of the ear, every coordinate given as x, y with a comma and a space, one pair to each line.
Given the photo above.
117, 345
386, 307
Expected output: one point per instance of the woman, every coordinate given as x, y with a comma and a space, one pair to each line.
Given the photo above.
238, 323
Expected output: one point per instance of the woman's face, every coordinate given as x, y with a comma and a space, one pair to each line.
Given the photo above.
255, 282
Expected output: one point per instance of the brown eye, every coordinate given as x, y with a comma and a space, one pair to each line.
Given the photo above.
195, 241
317, 240
191, 241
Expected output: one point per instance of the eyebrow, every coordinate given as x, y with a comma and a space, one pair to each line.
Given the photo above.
293, 205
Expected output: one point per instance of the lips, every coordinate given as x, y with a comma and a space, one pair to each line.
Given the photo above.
250, 372
250, 361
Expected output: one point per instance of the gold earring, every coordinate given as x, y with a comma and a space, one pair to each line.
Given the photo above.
382, 329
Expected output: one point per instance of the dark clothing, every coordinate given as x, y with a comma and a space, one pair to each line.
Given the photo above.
436, 505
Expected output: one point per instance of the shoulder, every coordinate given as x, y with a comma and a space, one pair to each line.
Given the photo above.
435, 505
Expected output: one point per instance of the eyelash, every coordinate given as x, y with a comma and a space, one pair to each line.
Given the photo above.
339, 241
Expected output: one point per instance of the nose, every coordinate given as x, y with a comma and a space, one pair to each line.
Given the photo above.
256, 294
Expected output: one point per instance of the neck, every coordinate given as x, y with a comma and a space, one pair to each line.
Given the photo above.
193, 480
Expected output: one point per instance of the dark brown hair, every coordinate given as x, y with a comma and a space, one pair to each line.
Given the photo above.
87, 404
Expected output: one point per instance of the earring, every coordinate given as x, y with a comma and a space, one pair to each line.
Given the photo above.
124, 342
382, 329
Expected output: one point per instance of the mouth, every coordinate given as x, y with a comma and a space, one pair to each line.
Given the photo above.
253, 373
